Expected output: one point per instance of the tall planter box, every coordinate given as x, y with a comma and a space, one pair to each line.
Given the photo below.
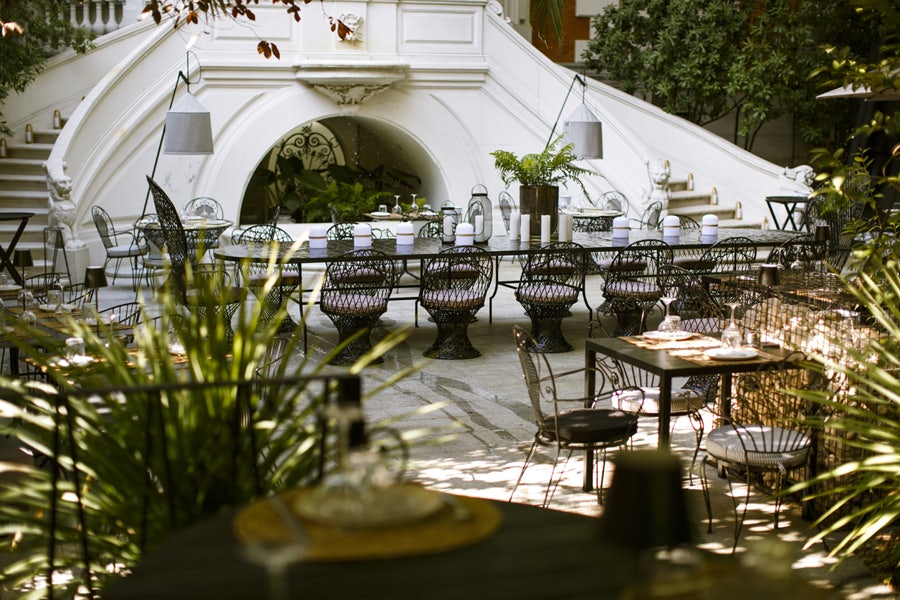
537, 200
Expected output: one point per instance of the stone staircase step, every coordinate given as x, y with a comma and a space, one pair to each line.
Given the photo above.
681, 185
21, 166
46, 136
696, 211
30, 151
28, 200
23, 183
687, 198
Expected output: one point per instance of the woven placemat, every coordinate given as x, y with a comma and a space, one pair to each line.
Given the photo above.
694, 349
460, 521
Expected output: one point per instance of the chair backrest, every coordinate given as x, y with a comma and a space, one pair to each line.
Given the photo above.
730, 255
127, 314
335, 215
506, 207
104, 225
561, 263
537, 374
431, 229
458, 268
205, 207
769, 397
76, 294
263, 234
796, 253
364, 272
639, 261
699, 311
340, 231
176, 240
650, 218
40, 283
614, 200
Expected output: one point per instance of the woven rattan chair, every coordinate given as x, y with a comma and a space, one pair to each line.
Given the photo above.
631, 284
730, 256
452, 289
354, 296
549, 285
566, 424
766, 433
650, 218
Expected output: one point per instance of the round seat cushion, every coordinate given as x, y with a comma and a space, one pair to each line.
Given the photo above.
541, 293
591, 426
452, 299
353, 304
127, 250
684, 400
642, 290
760, 446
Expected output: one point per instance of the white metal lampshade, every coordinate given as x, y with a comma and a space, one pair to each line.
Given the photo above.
188, 128
585, 132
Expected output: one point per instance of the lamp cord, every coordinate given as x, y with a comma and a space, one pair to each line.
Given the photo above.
580, 80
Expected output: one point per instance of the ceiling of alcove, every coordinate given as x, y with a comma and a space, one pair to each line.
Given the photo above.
370, 143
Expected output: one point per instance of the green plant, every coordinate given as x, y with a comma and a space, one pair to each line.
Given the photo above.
552, 166
351, 201
862, 491
136, 492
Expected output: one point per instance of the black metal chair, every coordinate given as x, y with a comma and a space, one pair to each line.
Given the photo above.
354, 296
118, 244
549, 285
452, 289
287, 275
505, 200
766, 433
650, 217
567, 424
614, 200
340, 231
204, 207
631, 284
730, 256
184, 270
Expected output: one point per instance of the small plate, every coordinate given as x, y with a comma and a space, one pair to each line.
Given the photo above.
666, 336
10, 287
176, 349
47, 307
380, 214
381, 507
726, 354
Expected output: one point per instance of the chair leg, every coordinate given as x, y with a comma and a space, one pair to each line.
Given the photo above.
704, 484
696, 420
528, 458
548, 495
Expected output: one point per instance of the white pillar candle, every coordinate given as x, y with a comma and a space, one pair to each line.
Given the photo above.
563, 235
317, 237
525, 228
710, 226
362, 236
405, 235
545, 230
465, 234
514, 220
671, 227
620, 228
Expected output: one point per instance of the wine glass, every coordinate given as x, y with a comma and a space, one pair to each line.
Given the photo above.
277, 556
413, 208
397, 210
669, 296
27, 315
731, 335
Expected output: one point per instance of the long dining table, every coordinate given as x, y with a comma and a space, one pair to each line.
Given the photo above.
499, 247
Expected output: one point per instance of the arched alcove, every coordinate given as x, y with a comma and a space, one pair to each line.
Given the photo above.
377, 154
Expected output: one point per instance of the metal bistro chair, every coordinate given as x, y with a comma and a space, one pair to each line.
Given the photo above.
731, 256
118, 244
549, 285
614, 200
204, 207
766, 433
507, 205
258, 274
631, 285
354, 296
566, 424
452, 290
340, 231
650, 217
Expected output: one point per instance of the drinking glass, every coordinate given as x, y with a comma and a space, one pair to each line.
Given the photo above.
276, 557
670, 326
27, 315
731, 335
397, 210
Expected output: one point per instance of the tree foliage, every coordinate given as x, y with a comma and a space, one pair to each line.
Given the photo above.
704, 60
33, 30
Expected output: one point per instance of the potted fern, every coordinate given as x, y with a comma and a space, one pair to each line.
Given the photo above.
539, 176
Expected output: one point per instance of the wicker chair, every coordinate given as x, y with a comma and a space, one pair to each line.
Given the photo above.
614, 200
574, 423
549, 285
631, 284
340, 231
354, 296
204, 207
452, 290
731, 256
650, 218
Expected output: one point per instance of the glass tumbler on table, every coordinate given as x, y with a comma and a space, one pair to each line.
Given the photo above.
731, 335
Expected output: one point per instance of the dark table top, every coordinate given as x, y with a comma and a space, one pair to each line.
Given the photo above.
536, 553
497, 245
15, 216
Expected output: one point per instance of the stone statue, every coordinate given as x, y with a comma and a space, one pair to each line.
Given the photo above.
62, 209
659, 172
797, 180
